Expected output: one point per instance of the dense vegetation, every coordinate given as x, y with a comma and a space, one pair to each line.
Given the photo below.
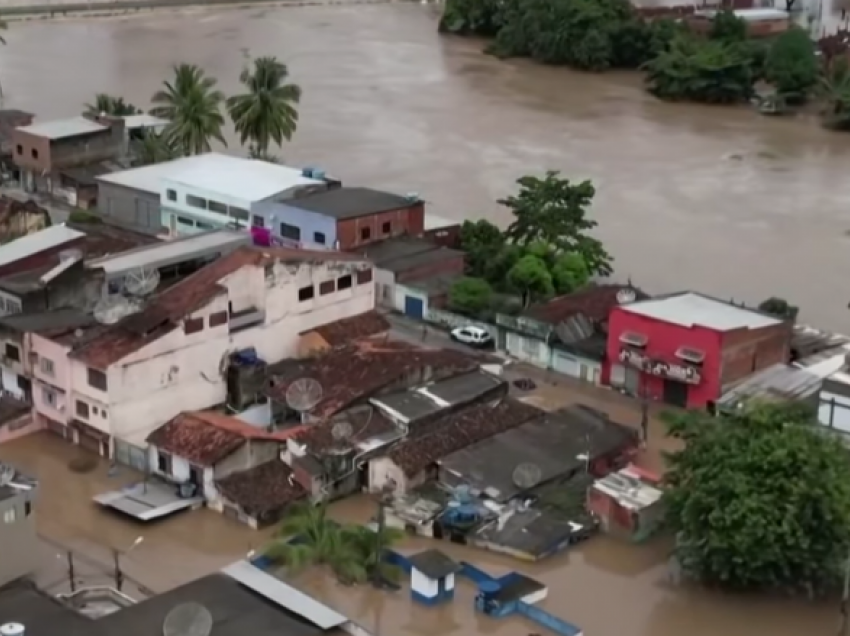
263, 115
546, 250
760, 499
723, 66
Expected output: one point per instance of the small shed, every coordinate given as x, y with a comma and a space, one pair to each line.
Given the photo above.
432, 577
627, 503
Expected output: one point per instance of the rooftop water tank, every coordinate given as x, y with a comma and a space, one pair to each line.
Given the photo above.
12, 629
307, 172
319, 174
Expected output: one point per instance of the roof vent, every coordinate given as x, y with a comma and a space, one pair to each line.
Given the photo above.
12, 629
626, 295
307, 172
413, 197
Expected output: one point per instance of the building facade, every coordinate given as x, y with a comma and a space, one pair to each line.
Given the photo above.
21, 556
684, 349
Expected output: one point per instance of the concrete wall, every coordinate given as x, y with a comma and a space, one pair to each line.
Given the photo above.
18, 538
140, 210
746, 351
51, 382
309, 223
409, 220
42, 155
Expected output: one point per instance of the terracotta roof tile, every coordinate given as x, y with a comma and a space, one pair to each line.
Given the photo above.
166, 309
595, 302
207, 437
366, 422
459, 430
344, 331
356, 371
262, 490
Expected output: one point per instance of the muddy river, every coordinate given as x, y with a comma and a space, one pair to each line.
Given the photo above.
715, 199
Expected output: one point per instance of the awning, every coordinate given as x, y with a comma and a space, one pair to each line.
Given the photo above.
147, 501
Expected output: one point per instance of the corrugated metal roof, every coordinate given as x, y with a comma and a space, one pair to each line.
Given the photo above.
780, 381
60, 128
284, 595
689, 308
38, 242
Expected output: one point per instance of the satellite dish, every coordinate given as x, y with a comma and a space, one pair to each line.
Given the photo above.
526, 475
303, 394
341, 431
111, 309
141, 281
626, 295
188, 619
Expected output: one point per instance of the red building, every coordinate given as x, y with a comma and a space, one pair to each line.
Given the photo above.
685, 349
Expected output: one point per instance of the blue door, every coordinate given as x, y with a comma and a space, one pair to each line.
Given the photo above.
414, 307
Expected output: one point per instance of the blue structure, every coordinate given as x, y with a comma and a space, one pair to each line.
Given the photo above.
432, 577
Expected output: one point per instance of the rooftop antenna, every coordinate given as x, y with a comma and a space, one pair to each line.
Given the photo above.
527, 475
188, 619
111, 309
303, 394
141, 281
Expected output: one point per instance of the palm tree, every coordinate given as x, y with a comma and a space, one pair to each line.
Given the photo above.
192, 105
255, 153
266, 112
154, 147
109, 105
3, 26
835, 90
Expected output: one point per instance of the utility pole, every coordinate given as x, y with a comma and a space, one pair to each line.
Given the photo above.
117, 573
72, 574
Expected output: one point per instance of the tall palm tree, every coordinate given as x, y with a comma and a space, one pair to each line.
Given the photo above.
154, 147
266, 113
110, 105
192, 105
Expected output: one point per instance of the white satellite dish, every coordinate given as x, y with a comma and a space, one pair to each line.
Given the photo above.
188, 619
341, 431
141, 281
303, 394
527, 475
111, 309
626, 295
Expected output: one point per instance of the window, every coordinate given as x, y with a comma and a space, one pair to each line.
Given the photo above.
97, 379
196, 202
171, 195
48, 396
9, 516
328, 287
163, 463
94, 410
387, 227
103, 413
182, 220
82, 409
27, 508
306, 293
633, 339
364, 276
365, 233
343, 282
240, 214
20, 149
218, 318
319, 237
290, 231
46, 366
13, 307
203, 226
13, 353
215, 206
34, 153
258, 221
193, 325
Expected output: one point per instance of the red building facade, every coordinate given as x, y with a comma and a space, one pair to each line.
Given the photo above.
686, 348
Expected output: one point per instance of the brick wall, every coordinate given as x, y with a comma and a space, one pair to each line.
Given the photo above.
747, 351
371, 228
454, 264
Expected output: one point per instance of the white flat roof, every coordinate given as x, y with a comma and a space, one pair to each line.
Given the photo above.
60, 128
689, 309
167, 250
147, 179
144, 121
34, 243
236, 177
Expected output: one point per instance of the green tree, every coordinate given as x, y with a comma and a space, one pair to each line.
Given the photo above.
791, 64
470, 17
727, 27
779, 307
470, 296
255, 153
554, 211
698, 70
192, 105
109, 105
482, 241
834, 89
266, 112
760, 498
569, 273
531, 278
154, 147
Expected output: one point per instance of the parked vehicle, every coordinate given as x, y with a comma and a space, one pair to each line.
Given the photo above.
473, 336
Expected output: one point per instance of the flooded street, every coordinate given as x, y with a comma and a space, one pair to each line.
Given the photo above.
721, 200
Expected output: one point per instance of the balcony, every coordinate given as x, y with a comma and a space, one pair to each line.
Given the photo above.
246, 319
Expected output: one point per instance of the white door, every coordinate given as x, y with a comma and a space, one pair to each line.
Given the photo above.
618, 375
565, 363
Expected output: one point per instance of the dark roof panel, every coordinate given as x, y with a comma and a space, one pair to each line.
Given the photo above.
349, 203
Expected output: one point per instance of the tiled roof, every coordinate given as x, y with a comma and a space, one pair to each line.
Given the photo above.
595, 302
165, 310
207, 437
358, 370
366, 422
262, 490
459, 430
343, 331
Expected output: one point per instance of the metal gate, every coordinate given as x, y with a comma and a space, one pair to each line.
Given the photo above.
414, 307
